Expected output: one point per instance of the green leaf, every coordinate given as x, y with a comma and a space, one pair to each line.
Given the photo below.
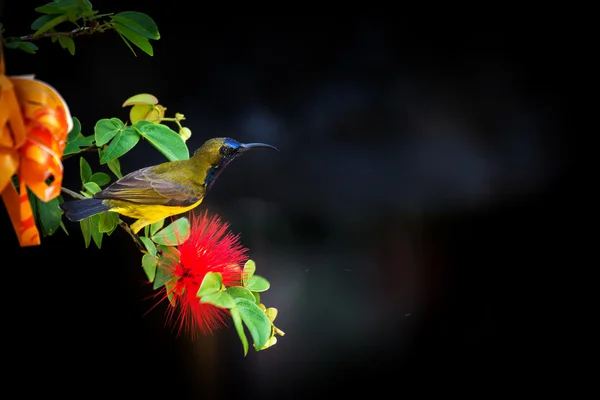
64, 228
57, 7
72, 7
113, 165
171, 286
49, 215
11, 43
256, 297
127, 43
89, 228
165, 140
40, 21
149, 244
108, 222
106, 129
212, 283
67, 43
50, 24
162, 276
149, 263
155, 227
164, 272
271, 313
91, 15
74, 146
75, 131
174, 234
139, 23
85, 171
27, 47
134, 38
50, 9
169, 253
248, 271
123, 141
86, 230
85, 4
71, 16
142, 98
100, 178
271, 342
92, 187
240, 292
258, 284
219, 299
96, 234
142, 122
255, 320
239, 327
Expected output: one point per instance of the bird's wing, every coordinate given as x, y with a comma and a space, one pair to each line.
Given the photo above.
145, 186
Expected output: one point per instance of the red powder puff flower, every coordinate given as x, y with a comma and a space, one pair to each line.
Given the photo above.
209, 248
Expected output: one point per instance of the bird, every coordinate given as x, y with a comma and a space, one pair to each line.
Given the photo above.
153, 193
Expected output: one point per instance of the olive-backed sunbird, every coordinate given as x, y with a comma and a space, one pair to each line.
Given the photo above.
156, 192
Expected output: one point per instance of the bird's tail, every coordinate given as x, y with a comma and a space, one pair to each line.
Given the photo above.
79, 209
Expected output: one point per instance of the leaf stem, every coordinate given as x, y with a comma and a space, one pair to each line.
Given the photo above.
176, 120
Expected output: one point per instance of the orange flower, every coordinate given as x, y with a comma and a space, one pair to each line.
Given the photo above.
34, 123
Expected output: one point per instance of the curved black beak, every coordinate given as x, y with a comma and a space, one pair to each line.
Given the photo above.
247, 146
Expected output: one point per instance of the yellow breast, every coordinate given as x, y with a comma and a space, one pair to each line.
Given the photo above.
146, 214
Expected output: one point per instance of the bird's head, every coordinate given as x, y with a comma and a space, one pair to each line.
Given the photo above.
218, 152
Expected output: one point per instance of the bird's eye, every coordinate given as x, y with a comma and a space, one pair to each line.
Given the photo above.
226, 150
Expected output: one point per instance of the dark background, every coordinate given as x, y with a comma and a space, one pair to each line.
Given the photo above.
403, 225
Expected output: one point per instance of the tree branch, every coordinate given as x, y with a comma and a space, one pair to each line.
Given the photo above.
84, 30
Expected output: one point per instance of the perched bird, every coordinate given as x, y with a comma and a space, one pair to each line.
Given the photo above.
153, 193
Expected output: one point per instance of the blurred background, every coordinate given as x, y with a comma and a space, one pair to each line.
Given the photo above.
400, 225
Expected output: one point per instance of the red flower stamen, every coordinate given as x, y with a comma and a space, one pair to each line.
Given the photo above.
209, 248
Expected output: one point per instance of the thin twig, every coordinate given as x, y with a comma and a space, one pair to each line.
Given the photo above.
84, 30
83, 150
73, 194
122, 224
136, 238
